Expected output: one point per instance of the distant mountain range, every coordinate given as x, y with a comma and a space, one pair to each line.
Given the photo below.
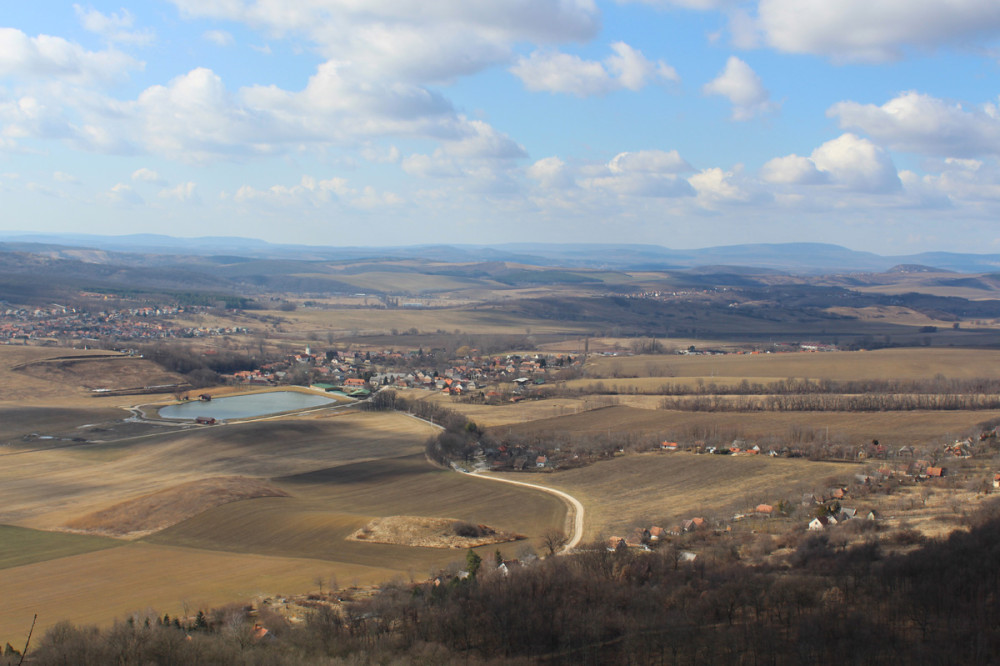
796, 258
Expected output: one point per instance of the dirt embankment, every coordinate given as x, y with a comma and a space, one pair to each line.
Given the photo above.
144, 515
430, 533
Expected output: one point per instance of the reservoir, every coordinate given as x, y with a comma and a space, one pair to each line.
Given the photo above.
245, 406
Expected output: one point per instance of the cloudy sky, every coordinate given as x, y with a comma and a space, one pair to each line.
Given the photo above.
873, 124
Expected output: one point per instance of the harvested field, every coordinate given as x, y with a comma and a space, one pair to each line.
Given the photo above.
18, 420
663, 488
915, 428
20, 545
330, 504
922, 363
100, 587
47, 489
153, 512
430, 533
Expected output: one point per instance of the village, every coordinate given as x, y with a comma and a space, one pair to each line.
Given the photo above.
66, 323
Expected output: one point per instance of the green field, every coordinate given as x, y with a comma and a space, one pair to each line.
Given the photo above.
20, 545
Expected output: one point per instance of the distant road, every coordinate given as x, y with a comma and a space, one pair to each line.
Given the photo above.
575, 507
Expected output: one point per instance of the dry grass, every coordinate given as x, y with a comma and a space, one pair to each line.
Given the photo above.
663, 488
923, 363
97, 588
153, 512
427, 532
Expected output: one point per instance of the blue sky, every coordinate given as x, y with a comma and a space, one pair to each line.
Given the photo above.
873, 124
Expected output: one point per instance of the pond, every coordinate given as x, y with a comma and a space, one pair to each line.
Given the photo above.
245, 406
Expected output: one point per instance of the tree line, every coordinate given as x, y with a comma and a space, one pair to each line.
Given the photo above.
934, 386
870, 402
824, 604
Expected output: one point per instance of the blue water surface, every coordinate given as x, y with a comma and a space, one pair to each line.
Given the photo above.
245, 406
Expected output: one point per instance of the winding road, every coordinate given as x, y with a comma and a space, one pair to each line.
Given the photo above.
575, 535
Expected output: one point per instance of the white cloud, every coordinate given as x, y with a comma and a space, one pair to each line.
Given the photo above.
556, 72
919, 123
408, 40
743, 88
47, 57
792, 170
183, 192
313, 193
646, 173
148, 176
716, 186
857, 164
113, 27
550, 172
122, 195
218, 37
873, 31
649, 161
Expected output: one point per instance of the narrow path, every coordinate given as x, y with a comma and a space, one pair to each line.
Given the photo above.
576, 509
575, 535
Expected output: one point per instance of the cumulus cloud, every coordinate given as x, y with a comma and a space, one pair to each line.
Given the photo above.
114, 27
557, 72
857, 164
48, 57
743, 88
792, 170
862, 30
648, 173
649, 161
920, 123
550, 172
408, 40
717, 186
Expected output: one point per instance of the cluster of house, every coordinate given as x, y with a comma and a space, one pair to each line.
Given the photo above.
143, 323
644, 537
410, 369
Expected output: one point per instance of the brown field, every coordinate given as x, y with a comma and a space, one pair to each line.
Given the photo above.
109, 373
664, 488
912, 363
100, 587
892, 428
19, 420
46, 489
327, 505
156, 511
